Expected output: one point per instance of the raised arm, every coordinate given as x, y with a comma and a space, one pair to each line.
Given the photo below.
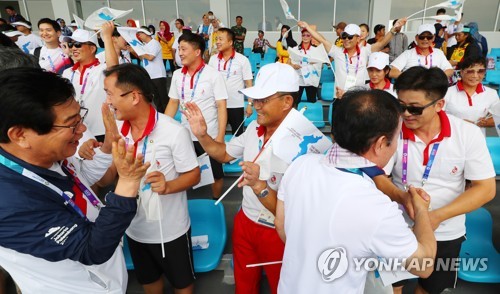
387, 38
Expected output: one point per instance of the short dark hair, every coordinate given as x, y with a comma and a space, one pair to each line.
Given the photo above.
261, 32
239, 16
471, 61
441, 11
432, 81
378, 28
27, 98
366, 26
363, 116
395, 21
12, 57
195, 40
9, 7
180, 21
229, 33
51, 22
132, 76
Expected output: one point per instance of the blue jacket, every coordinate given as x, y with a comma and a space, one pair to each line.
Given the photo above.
35, 220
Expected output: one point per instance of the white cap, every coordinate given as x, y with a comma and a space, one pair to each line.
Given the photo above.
352, 29
21, 23
463, 29
378, 60
13, 33
271, 79
141, 30
83, 36
426, 27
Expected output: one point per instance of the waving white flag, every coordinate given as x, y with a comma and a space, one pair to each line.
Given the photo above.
102, 15
79, 22
446, 4
130, 35
286, 10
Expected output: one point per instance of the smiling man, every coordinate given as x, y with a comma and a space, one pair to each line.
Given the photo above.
55, 234
422, 55
237, 73
51, 56
254, 238
87, 73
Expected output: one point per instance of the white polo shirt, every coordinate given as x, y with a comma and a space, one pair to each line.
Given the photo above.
53, 60
29, 42
89, 92
205, 88
472, 108
335, 209
247, 146
413, 57
156, 67
462, 154
389, 88
354, 66
174, 154
235, 72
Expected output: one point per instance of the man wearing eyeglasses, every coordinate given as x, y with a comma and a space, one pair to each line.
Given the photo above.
255, 239
422, 55
438, 152
351, 59
87, 73
56, 235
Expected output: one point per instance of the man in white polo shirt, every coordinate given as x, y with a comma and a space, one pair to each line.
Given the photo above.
51, 56
162, 218
197, 82
28, 41
153, 63
351, 59
422, 55
438, 153
357, 220
87, 73
254, 238
237, 73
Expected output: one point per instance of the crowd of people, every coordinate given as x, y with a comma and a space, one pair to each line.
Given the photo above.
408, 160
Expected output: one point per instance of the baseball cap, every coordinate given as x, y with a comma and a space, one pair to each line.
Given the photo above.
378, 60
21, 23
271, 79
352, 29
341, 25
141, 30
463, 29
83, 36
426, 27
12, 33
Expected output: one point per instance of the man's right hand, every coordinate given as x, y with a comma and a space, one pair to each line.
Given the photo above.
419, 199
195, 118
130, 169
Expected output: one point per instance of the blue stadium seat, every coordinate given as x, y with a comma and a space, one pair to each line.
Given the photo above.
208, 219
167, 67
231, 168
314, 113
492, 77
126, 254
326, 75
251, 118
271, 53
479, 244
493, 144
495, 52
247, 51
328, 91
330, 111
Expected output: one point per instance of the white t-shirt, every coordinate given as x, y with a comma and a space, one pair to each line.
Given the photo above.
175, 46
53, 60
462, 154
93, 94
359, 61
123, 58
335, 209
208, 86
389, 88
309, 68
65, 276
155, 68
459, 104
451, 29
247, 146
235, 72
174, 154
412, 57
29, 42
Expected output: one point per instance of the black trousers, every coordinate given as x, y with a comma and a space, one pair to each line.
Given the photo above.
160, 98
235, 117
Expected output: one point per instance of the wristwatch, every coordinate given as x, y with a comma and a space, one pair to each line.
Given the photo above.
263, 193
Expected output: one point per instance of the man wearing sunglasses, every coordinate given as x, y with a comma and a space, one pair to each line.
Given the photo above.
422, 55
438, 153
351, 60
87, 73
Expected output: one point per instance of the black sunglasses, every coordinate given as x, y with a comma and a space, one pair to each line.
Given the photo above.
416, 110
423, 37
346, 36
77, 45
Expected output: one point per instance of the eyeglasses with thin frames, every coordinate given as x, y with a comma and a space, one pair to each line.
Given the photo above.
416, 110
264, 101
83, 114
